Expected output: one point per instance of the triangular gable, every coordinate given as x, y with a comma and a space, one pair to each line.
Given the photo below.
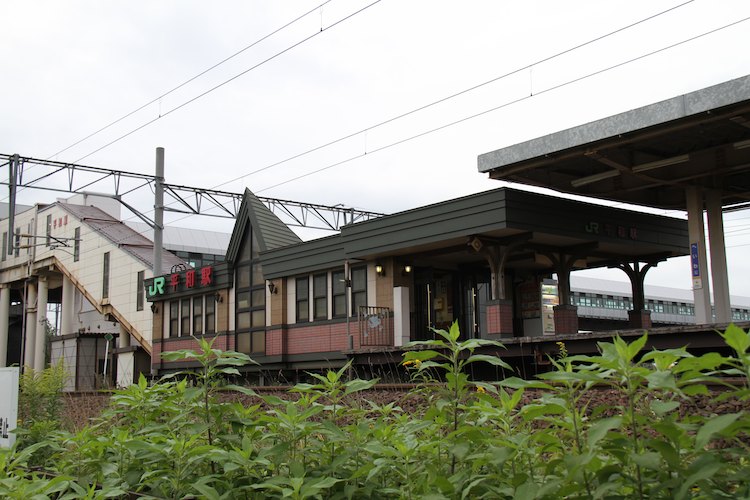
269, 231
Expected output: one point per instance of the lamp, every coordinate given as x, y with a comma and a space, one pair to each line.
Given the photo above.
407, 269
218, 297
379, 270
661, 163
154, 308
594, 178
272, 287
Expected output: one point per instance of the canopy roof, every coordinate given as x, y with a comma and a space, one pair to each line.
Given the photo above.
646, 156
452, 233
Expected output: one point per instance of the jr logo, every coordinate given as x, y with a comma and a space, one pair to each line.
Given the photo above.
157, 287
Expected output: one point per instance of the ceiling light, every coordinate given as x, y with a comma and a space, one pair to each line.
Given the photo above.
594, 178
661, 163
742, 144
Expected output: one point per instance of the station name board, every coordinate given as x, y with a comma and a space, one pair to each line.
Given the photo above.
176, 282
612, 230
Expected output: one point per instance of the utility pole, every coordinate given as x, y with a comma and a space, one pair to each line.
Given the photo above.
158, 210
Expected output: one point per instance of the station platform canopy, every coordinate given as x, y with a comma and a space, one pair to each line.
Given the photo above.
647, 156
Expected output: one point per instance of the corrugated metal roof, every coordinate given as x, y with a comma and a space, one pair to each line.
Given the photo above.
187, 240
120, 235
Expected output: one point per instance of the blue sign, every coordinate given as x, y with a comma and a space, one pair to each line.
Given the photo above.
694, 263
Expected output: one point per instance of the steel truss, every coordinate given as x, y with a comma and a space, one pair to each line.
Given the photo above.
34, 173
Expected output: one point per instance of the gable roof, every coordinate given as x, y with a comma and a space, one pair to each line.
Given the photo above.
269, 231
120, 235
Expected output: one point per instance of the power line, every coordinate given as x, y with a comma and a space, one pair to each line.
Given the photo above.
402, 115
457, 94
509, 103
203, 94
444, 99
193, 78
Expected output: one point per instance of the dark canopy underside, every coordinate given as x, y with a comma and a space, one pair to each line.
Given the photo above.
647, 156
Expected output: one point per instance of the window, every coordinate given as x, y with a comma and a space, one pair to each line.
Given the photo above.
251, 342
198, 315
303, 308
174, 321
105, 276
29, 242
250, 299
49, 229
139, 291
185, 317
320, 296
338, 287
17, 241
5, 245
77, 244
210, 314
359, 289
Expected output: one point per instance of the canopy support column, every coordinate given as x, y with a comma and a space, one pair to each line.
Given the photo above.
719, 274
698, 262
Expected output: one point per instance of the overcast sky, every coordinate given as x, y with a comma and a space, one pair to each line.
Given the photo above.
70, 68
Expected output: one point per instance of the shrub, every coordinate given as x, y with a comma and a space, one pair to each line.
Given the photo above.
546, 438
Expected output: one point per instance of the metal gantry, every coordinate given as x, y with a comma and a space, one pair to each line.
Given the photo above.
49, 175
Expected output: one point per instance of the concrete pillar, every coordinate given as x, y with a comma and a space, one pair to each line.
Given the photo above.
4, 323
125, 360
401, 329
698, 261
30, 325
41, 325
67, 323
719, 274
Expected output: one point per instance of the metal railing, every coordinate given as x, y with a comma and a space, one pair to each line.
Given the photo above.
375, 326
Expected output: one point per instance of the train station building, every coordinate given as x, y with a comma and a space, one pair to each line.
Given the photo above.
498, 262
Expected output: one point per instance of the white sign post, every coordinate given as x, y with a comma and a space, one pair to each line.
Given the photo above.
8, 406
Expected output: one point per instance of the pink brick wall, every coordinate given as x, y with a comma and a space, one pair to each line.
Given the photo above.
275, 342
500, 318
320, 338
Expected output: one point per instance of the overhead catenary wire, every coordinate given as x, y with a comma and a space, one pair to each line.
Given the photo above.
193, 78
506, 104
401, 115
229, 80
467, 90
456, 94
495, 108
444, 99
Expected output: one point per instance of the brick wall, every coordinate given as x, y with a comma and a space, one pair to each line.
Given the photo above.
500, 317
320, 337
276, 342
566, 319
639, 319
